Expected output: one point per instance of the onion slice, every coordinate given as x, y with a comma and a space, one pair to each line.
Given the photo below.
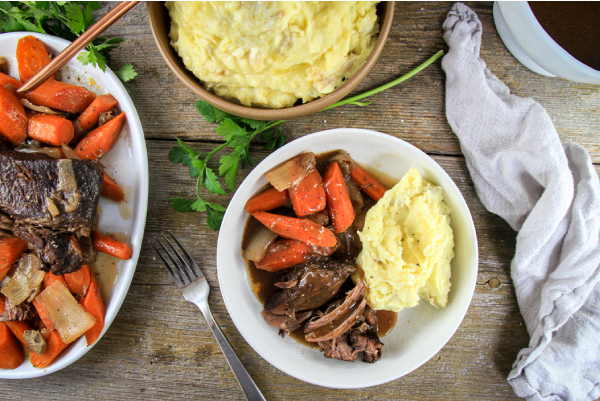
63, 310
26, 281
292, 171
259, 243
52, 152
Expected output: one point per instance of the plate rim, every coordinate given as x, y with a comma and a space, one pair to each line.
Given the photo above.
135, 130
304, 144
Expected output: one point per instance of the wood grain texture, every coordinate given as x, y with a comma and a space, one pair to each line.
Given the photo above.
159, 347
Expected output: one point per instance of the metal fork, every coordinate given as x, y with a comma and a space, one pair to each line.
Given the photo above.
195, 289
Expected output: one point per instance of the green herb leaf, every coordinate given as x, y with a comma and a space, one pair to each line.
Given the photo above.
126, 73
182, 205
210, 182
214, 216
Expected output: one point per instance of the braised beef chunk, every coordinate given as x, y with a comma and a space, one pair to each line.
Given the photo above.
339, 317
60, 194
63, 254
45, 201
305, 287
23, 311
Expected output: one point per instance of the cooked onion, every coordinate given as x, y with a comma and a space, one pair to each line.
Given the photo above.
26, 281
259, 243
42, 109
292, 171
69, 153
63, 310
68, 185
52, 152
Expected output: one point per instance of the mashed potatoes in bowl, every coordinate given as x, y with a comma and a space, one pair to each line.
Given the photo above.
407, 246
271, 54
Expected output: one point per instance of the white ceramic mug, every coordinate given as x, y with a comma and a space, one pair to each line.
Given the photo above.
534, 48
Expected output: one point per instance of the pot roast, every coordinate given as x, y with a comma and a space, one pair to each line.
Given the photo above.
49, 202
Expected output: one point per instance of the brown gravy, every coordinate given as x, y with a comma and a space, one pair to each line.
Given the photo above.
574, 26
263, 282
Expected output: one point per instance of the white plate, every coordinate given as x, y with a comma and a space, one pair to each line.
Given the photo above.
127, 163
420, 331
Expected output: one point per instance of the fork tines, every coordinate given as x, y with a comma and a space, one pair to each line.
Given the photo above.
185, 272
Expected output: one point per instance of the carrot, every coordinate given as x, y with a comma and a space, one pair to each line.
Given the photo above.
368, 183
49, 128
13, 120
8, 80
18, 329
284, 253
43, 313
111, 189
32, 56
54, 346
92, 302
268, 199
78, 282
10, 250
308, 196
300, 229
101, 140
11, 352
50, 278
61, 96
89, 118
338, 198
106, 244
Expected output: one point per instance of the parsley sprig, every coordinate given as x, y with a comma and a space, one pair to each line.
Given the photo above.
67, 20
238, 133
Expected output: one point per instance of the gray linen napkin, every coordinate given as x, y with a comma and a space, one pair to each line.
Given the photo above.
550, 194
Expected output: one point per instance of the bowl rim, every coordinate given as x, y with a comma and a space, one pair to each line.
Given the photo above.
157, 13
232, 217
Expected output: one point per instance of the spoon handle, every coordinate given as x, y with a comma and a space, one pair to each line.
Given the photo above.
57, 62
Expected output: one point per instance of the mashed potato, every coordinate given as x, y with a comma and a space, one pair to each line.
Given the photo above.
271, 54
407, 246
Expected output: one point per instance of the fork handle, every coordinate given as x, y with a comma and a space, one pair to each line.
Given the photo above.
241, 374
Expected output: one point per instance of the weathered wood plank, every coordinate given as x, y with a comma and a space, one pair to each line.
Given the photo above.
159, 347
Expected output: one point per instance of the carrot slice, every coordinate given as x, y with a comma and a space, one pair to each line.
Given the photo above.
78, 282
101, 140
61, 96
300, 229
49, 128
92, 302
50, 278
340, 206
54, 346
89, 118
13, 120
284, 253
268, 199
111, 189
308, 196
32, 56
368, 183
106, 244
43, 313
18, 329
8, 80
10, 250
11, 352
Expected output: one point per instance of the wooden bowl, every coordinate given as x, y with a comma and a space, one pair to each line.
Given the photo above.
160, 25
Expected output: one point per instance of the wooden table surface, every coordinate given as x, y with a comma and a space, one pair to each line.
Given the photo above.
159, 346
